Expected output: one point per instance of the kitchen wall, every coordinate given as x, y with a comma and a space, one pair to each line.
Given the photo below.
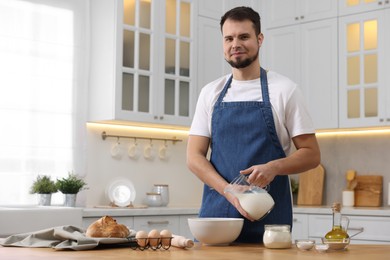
184, 187
365, 153
368, 154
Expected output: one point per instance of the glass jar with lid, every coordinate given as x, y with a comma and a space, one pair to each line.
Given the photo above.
277, 236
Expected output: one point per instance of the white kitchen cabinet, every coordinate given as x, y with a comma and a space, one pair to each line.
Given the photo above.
148, 223
347, 7
375, 229
300, 229
363, 61
142, 61
307, 54
287, 12
184, 228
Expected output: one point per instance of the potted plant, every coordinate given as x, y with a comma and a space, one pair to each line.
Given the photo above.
44, 186
70, 186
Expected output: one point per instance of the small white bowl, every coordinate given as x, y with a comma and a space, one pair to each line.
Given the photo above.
305, 244
322, 247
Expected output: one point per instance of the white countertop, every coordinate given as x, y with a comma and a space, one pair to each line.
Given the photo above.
358, 211
178, 210
150, 211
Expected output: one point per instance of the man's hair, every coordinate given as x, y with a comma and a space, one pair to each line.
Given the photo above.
243, 13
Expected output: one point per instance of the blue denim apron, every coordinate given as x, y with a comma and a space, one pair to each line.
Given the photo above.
244, 134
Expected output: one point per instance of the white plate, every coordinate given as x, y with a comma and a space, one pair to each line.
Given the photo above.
121, 192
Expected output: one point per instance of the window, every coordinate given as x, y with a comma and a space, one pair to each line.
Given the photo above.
43, 90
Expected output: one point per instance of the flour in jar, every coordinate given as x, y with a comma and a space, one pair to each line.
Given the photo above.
256, 204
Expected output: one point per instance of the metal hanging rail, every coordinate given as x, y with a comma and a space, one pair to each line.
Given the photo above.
173, 140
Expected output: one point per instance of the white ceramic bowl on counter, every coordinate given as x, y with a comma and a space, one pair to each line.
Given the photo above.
215, 231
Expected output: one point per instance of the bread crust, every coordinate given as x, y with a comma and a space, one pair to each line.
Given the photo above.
107, 227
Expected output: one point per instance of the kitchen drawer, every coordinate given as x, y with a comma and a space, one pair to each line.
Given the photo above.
375, 228
127, 221
184, 228
148, 223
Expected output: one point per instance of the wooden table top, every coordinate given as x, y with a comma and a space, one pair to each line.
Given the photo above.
247, 252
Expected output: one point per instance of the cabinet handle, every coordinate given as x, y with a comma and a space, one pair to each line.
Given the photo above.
387, 119
387, 1
302, 17
380, 3
295, 220
296, 18
155, 117
381, 120
357, 229
161, 117
163, 222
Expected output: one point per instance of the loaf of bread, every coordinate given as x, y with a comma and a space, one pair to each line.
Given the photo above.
107, 227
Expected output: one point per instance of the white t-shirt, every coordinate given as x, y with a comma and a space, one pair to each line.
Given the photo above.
288, 105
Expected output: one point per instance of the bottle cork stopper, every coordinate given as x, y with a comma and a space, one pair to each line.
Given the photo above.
336, 206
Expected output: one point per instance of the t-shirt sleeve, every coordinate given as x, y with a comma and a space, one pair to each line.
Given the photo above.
298, 119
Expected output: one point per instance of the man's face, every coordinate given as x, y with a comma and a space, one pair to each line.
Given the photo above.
240, 43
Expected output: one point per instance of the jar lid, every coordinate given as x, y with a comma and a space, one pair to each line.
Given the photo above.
277, 227
153, 193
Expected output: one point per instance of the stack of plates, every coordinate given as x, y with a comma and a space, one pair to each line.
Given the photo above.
121, 192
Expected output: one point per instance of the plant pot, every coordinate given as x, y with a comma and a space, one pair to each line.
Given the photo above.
70, 200
44, 199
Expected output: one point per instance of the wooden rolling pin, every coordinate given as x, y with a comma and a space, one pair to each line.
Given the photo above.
180, 241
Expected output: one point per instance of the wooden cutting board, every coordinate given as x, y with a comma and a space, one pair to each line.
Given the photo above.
311, 186
368, 192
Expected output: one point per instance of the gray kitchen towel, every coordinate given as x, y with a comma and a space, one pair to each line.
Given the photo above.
62, 237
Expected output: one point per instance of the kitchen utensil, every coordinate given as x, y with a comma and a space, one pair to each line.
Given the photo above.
311, 185
368, 192
149, 151
336, 244
277, 236
163, 190
257, 202
116, 150
153, 199
133, 151
121, 192
215, 231
163, 151
305, 244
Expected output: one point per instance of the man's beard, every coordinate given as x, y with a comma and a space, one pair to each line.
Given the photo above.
240, 64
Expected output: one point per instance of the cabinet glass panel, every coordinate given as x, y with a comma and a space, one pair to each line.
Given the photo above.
170, 16
144, 51
169, 101
184, 98
129, 12
370, 35
170, 51
143, 94
353, 103
184, 59
128, 49
128, 91
185, 16
370, 68
353, 37
371, 102
145, 14
353, 70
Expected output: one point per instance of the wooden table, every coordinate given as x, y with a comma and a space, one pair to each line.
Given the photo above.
237, 252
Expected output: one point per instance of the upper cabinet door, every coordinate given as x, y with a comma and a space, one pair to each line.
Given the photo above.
360, 6
362, 63
287, 12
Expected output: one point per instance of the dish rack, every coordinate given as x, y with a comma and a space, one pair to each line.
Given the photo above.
157, 243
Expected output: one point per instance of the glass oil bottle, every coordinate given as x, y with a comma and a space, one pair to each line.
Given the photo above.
338, 232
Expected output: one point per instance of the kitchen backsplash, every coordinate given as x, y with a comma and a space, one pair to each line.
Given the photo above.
367, 154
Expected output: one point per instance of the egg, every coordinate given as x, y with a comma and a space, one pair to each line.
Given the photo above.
154, 238
142, 238
166, 237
